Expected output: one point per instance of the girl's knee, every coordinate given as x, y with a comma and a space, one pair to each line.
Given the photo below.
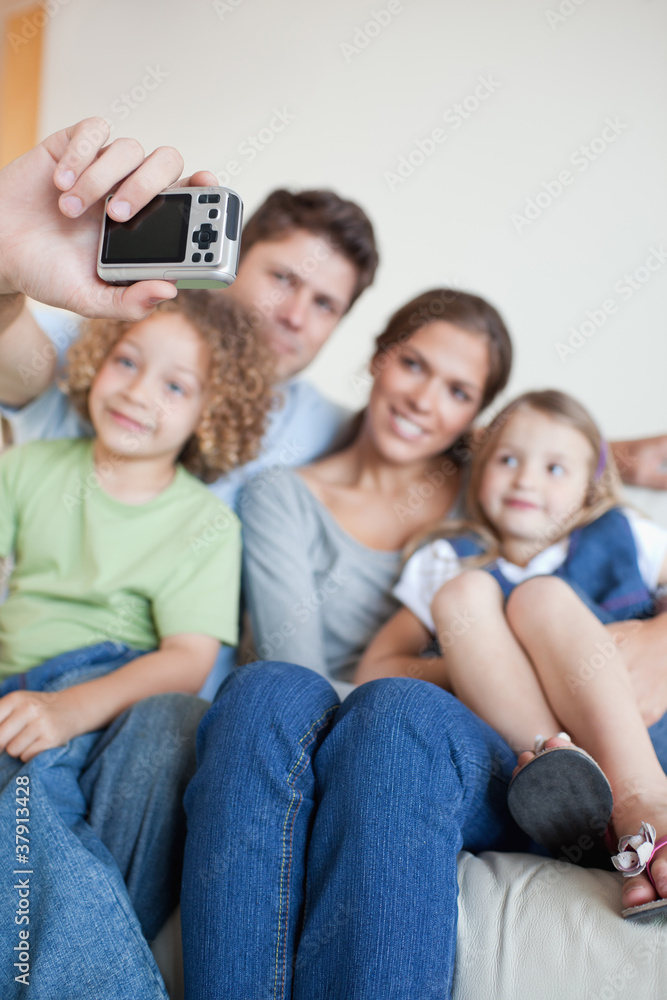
541, 599
475, 589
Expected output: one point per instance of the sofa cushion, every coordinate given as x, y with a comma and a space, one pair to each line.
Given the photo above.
546, 930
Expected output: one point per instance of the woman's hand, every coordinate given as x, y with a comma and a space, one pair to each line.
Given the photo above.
52, 204
32, 721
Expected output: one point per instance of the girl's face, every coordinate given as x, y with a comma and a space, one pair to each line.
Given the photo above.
427, 391
536, 478
147, 398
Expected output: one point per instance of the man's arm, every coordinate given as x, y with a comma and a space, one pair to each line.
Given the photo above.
21, 341
642, 462
51, 207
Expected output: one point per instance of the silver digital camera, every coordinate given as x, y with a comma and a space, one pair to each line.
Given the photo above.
189, 235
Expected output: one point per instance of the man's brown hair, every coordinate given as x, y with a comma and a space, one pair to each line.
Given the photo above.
324, 213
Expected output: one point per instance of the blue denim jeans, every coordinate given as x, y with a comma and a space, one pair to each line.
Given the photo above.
104, 811
322, 840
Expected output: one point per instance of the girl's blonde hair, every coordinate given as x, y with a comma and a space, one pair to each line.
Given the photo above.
238, 394
602, 491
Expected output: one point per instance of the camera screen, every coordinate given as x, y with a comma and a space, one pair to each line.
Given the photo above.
156, 235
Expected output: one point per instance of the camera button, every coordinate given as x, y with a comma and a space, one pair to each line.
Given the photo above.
208, 257
196, 257
233, 217
213, 213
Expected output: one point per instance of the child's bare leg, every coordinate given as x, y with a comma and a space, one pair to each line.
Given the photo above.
486, 667
587, 685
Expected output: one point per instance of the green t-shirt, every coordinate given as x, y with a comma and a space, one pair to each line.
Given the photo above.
89, 568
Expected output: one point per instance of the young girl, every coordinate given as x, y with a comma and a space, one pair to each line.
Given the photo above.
543, 499
126, 575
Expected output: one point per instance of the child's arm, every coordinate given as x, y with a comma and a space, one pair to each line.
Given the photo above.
32, 721
394, 652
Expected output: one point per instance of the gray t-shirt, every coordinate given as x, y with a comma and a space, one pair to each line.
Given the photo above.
316, 596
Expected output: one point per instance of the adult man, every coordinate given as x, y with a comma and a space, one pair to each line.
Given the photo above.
298, 284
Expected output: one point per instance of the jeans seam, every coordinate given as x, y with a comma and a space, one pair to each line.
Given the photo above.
287, 840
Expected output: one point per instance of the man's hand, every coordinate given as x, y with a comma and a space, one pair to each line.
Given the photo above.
32, 721
643, 462
51, 207
644, 648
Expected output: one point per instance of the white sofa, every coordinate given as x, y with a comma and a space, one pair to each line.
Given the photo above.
532, 928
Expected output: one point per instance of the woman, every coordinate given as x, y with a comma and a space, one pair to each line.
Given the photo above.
321, 857
323, 544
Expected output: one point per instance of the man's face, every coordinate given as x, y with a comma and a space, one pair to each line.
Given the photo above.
295, 289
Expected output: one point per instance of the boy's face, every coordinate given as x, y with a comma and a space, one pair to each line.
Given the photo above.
147, 398
296, 289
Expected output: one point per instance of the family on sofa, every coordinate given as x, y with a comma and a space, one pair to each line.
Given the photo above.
416, 565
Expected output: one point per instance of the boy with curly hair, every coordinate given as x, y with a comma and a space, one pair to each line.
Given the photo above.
127, 573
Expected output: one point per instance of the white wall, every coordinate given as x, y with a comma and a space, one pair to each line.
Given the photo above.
227, 65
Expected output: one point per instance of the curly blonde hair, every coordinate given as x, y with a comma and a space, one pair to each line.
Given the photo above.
239, 392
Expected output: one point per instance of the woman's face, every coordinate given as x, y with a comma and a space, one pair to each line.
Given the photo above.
426, 391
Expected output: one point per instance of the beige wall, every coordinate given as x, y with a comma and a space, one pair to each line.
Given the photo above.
205, 76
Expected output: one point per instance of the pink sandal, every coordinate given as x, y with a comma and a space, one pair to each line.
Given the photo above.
633, 861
